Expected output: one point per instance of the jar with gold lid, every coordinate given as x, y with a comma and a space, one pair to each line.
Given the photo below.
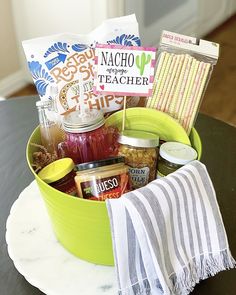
140, 150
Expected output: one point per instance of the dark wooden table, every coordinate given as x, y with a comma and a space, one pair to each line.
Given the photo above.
18, 118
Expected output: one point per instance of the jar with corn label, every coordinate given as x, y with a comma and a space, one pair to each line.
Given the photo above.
140, 150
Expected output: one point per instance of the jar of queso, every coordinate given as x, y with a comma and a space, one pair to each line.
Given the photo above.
100, 180
174, 155
87, 139
140, 150
60, 175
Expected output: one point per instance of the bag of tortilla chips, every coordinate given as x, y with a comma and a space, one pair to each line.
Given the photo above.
66, 62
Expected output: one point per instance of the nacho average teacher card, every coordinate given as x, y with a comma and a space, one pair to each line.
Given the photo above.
124, 70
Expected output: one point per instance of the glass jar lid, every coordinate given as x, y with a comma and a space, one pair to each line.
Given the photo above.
177, 153
56, 170
100, 163
78, 122
138, 138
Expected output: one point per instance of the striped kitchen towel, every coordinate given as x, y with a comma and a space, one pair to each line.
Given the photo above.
168, 235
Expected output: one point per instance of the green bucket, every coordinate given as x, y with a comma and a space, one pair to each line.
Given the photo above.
81, 226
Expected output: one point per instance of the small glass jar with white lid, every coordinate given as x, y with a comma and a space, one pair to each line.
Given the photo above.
140, 150
172, 156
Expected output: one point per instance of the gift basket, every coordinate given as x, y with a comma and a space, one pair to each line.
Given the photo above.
95, 142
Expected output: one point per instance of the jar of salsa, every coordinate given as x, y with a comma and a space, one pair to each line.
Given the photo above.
87, 138
174, 155
60, 175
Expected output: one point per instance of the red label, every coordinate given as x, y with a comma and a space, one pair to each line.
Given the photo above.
110, 187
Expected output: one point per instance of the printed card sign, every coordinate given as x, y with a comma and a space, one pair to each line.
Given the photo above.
124, 70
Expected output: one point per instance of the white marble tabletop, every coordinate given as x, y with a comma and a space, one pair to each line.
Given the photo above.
41, 259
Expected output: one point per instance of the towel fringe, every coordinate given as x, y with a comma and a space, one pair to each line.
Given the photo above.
184, 282
206, 266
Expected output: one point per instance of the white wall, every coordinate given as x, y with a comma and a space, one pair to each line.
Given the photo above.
9, 60
212, 13
34, 18
190, 17
8, 54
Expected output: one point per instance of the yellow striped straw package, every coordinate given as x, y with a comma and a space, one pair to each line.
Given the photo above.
183, 70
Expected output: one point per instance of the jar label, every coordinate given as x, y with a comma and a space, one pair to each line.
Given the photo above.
110, 187
139, 176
